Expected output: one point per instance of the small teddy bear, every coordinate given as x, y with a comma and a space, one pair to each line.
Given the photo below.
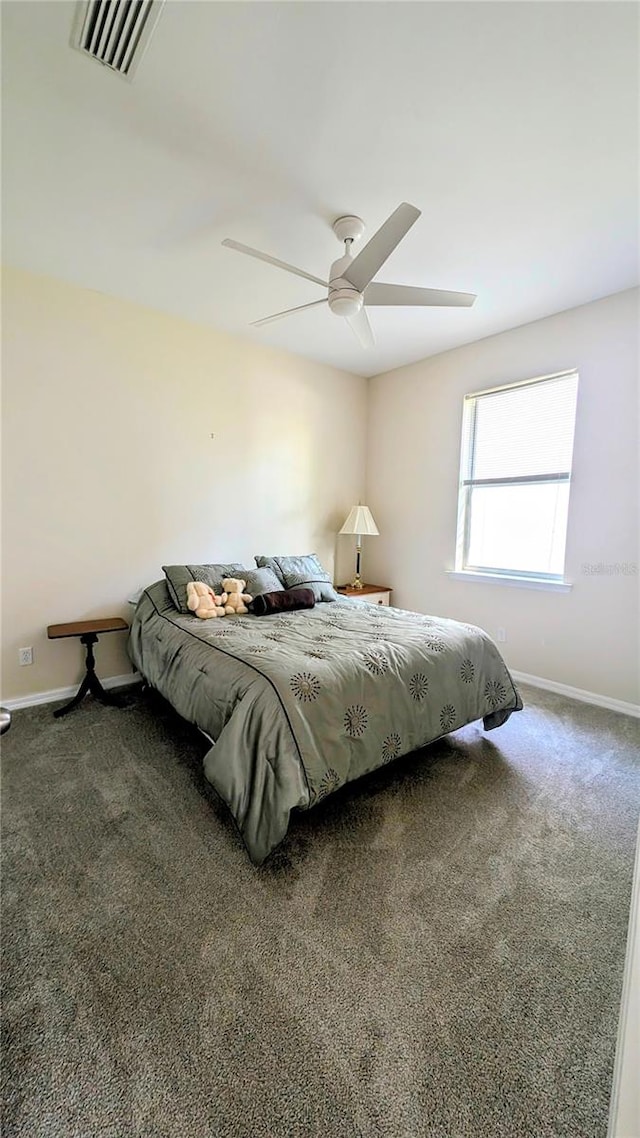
202, 600
233, 587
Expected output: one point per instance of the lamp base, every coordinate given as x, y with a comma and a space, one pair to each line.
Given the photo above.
357, 580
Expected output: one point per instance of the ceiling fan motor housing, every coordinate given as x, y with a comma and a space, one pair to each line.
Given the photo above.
344, 299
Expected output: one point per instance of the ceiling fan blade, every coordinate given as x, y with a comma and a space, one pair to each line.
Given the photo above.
362, 328
365, 266
287, 312
272, 261
379, 293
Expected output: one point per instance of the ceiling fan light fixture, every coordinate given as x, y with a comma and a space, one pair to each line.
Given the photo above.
345, 301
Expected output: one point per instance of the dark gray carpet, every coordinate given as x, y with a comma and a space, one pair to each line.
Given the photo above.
435, 951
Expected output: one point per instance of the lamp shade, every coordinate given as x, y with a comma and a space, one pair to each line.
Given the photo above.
360, 521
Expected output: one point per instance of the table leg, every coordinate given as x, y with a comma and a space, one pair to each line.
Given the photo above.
90, 683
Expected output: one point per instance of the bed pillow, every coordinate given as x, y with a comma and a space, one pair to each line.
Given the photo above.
306, 571
272, 564
284, 600
178, 576
261, 581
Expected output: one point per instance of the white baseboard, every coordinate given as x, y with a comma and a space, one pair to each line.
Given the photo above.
67, 693
578, 693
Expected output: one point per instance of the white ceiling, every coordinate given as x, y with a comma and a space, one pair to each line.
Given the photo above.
512, 126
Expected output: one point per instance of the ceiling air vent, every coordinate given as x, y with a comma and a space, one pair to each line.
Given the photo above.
115, 32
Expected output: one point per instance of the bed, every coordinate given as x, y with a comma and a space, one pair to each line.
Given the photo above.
300, 703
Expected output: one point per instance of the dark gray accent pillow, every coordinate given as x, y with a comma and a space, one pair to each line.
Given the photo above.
304, 570
260, 581
284, 600
178, 576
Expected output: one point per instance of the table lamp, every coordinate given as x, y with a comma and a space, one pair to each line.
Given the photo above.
360, 522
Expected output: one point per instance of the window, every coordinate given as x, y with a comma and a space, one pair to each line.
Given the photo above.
515, 473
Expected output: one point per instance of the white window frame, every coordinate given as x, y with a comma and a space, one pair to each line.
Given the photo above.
498, 575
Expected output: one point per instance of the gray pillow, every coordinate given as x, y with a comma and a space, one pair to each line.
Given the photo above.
261, 581
300, 571
178, 576
272, 564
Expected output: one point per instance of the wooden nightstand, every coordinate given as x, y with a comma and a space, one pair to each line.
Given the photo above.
374, 594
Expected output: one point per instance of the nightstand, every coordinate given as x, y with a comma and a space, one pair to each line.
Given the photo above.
374, 594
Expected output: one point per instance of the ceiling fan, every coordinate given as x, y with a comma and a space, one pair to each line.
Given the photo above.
351, 286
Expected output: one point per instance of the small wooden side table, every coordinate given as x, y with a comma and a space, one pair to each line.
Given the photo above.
88, 631
374, 594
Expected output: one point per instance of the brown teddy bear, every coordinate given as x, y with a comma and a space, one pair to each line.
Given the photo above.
202, 600
233, 587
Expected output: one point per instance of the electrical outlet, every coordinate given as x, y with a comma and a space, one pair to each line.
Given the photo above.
502, 636
25, 656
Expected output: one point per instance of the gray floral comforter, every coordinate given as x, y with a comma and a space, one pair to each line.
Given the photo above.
300, 703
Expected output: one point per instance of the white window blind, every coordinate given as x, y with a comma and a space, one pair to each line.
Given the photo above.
515, 473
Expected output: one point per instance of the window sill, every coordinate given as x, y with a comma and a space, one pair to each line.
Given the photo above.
517, 582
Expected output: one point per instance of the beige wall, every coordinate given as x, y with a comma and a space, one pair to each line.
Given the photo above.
109, 470
588, 638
